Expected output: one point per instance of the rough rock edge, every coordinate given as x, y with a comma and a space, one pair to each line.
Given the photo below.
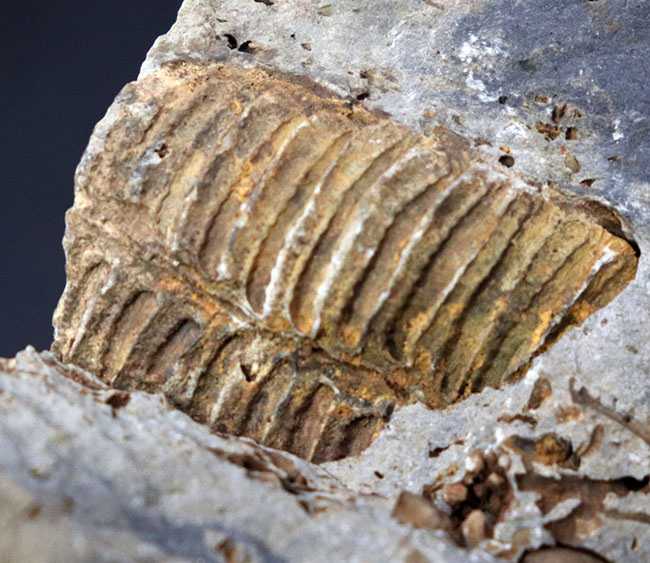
129, 478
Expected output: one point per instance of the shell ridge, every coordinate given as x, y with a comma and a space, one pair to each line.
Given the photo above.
545, 318
226, 384
206, 253
225, 146
349, 235
260, 399
415, 336
323, 421
433, 229
244, 211
320, 215
224, 224
146, 343
393, 324
167, 141
264, 227
252, 394
449, 325
184, 334
71, 304
202, 383
497, 341
97, 275
194, 182
356, 321
324, 231
222, 145
392, 197
281, 407
406, 253
273, 292
458, 336
133, 315
557, 318
143, 172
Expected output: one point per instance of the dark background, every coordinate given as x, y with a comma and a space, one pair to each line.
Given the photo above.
61, 65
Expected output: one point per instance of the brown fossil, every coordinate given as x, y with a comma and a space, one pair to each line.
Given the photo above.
288, 266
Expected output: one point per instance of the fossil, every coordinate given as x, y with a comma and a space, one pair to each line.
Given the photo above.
288, 266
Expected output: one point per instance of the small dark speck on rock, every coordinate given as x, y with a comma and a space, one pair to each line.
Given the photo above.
503, 99
559, 113
527, 65
507, 160
248, 47
118, 400
162, 150
232, 40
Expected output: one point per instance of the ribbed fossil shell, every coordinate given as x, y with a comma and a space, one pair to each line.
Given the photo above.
290, 267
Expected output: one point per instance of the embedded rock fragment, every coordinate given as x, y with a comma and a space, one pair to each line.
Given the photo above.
287, 266
562, 555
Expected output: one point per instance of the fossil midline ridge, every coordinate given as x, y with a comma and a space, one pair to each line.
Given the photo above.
290, 267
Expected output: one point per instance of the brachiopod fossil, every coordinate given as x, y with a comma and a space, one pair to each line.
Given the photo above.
290, 267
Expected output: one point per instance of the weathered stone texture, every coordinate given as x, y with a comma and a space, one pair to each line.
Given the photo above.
89, 474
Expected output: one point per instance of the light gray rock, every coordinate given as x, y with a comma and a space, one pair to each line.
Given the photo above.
85, 479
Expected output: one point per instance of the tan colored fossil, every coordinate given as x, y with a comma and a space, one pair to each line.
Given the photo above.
290, 267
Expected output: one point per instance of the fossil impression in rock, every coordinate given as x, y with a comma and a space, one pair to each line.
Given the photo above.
288, 266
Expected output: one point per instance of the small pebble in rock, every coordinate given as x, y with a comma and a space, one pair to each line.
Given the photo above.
474, 462
473, 527
453, 493
417, 511
494, 481
561, 555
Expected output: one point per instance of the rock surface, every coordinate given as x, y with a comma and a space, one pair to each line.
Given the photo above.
561, 457
91, 474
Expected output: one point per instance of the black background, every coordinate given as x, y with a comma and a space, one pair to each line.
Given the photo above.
62, 63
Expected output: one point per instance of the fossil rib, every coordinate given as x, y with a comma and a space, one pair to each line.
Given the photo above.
290, 267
